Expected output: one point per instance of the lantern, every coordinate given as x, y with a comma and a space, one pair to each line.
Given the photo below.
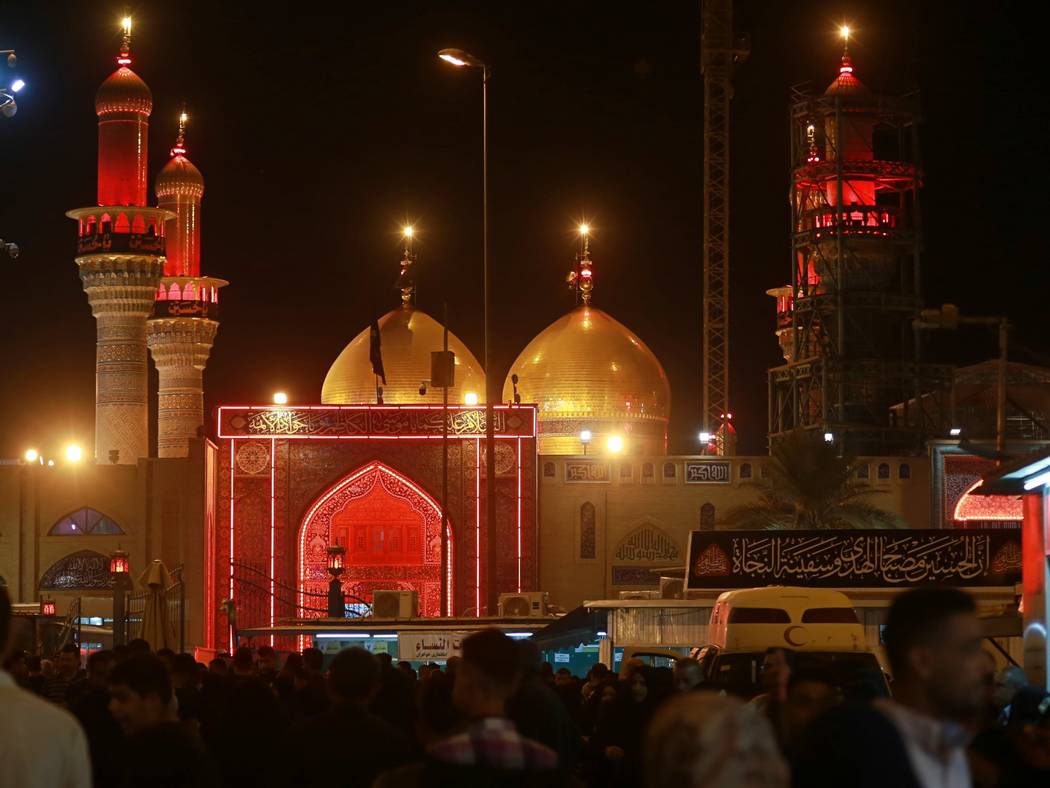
336, 554
47, 607
118, 563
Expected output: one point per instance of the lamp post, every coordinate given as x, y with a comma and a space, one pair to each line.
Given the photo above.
8, 105
119, 571
461, 59
336, 608
585, 439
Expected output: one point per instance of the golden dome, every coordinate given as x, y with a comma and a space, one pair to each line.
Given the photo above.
179, 177
407, 336
123, 91
587, 371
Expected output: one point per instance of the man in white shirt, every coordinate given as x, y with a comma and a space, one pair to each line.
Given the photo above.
41, 745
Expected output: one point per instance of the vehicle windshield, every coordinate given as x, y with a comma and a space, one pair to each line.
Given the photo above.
856, 674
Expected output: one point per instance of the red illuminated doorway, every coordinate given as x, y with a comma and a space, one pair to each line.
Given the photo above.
391, 529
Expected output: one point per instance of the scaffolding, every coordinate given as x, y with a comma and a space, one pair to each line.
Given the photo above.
846, 325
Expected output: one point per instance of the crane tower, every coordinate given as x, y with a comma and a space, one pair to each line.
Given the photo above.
720, 49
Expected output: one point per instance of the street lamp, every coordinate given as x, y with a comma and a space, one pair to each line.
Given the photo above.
336, 557
585, 439
31, 455
461, 59
8, 105
119, 572
280, 398
74, 453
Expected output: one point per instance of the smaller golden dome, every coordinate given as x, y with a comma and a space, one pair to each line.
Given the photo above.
123, 91
587, 371
179, 177
407, 337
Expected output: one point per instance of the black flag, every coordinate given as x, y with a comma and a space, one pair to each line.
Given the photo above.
375, 352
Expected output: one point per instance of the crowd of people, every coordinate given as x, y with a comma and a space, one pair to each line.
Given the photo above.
498, 716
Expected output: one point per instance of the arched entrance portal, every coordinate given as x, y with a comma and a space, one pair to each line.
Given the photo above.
391, 529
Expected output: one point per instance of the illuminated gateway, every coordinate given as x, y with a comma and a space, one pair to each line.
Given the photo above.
589, 505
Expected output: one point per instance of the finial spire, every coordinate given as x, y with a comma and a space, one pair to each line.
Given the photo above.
847, 64
582, 278
406, 281
180, 140
124, 58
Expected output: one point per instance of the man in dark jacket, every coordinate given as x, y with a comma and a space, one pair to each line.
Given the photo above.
364, 743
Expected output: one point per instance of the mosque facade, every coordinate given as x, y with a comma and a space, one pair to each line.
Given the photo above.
589, 503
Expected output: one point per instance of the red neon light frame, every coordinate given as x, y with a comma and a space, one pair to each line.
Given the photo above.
347, 480
438, 436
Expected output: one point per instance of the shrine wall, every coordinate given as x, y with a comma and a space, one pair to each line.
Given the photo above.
606, 523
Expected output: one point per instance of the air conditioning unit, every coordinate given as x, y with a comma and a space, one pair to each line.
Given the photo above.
528, 604
395, 604
639, 595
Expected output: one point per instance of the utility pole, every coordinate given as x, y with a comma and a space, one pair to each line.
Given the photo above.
719, 51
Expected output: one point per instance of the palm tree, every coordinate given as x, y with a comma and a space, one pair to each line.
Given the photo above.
810, 487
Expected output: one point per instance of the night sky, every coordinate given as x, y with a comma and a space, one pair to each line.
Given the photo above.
320, 127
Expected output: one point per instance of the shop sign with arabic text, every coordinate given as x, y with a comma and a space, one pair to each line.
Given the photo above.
859, 559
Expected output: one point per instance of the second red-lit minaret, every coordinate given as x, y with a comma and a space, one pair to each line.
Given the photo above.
182, 328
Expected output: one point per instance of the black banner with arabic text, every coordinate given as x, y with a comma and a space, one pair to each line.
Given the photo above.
854, 559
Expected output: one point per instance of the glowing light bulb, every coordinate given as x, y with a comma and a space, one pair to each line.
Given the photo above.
183, 118
585, 436
280, 398
844, 32
31, 455
585, 229
408, 231
17, 85
74, 453
615, 444
470, 398
705, 437
448, 57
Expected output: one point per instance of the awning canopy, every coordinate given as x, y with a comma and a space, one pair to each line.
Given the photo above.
1028, 474
578, 626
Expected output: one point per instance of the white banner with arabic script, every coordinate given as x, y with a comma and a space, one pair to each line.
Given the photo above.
428, 646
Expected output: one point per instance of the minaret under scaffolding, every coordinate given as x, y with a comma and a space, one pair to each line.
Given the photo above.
120, 254
182, 328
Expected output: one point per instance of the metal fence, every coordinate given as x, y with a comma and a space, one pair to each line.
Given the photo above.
174, 597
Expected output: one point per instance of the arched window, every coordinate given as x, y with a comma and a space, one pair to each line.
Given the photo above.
707, 517
138, 224
904, 471
174, 293
745, 470
588, 532
85, 522
189, 293
122, 225
884, 471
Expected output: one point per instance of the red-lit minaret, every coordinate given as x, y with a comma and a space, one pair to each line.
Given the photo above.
846, 321
120, 254
185, 317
